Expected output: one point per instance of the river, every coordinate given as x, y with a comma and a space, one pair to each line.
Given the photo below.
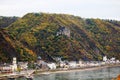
96, 74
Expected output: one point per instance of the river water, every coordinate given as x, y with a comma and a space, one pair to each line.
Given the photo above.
97, 74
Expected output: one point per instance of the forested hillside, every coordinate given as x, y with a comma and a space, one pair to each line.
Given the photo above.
9, 48
67, 36
6, 21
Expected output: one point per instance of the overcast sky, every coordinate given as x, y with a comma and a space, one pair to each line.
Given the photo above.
104, 9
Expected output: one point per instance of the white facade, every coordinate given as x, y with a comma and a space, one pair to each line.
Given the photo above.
72, 64
62, 64
51, 65
14, 66
117, 61
105, 58
112, 59
23, 65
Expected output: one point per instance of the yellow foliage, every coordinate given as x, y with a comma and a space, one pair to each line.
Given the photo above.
108, 48
40, 27
29, 38
101, 25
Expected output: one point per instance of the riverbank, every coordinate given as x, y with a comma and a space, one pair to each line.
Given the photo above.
98, 73
46, 72
59, 70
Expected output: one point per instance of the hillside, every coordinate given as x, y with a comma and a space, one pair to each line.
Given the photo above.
9, 48
6, 21
67, 36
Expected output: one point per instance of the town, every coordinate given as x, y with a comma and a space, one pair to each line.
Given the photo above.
18, 68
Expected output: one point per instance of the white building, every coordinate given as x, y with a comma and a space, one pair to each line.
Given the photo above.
81, 64
105, 58
51, 65
14, 64
62, 64
117, 61
5, 68
23, 65
72, 64
112, 60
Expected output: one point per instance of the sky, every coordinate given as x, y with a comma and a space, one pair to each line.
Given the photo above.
103, 9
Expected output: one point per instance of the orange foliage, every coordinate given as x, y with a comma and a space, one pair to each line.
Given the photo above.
30, 51
108, 48
118, 78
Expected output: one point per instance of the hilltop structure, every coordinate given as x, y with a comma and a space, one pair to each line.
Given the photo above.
63, 31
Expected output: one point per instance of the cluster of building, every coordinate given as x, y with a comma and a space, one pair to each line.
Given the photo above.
10, 68
59, 65
41, 64
111, 60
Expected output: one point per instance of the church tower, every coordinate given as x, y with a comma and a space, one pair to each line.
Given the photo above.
14, 64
